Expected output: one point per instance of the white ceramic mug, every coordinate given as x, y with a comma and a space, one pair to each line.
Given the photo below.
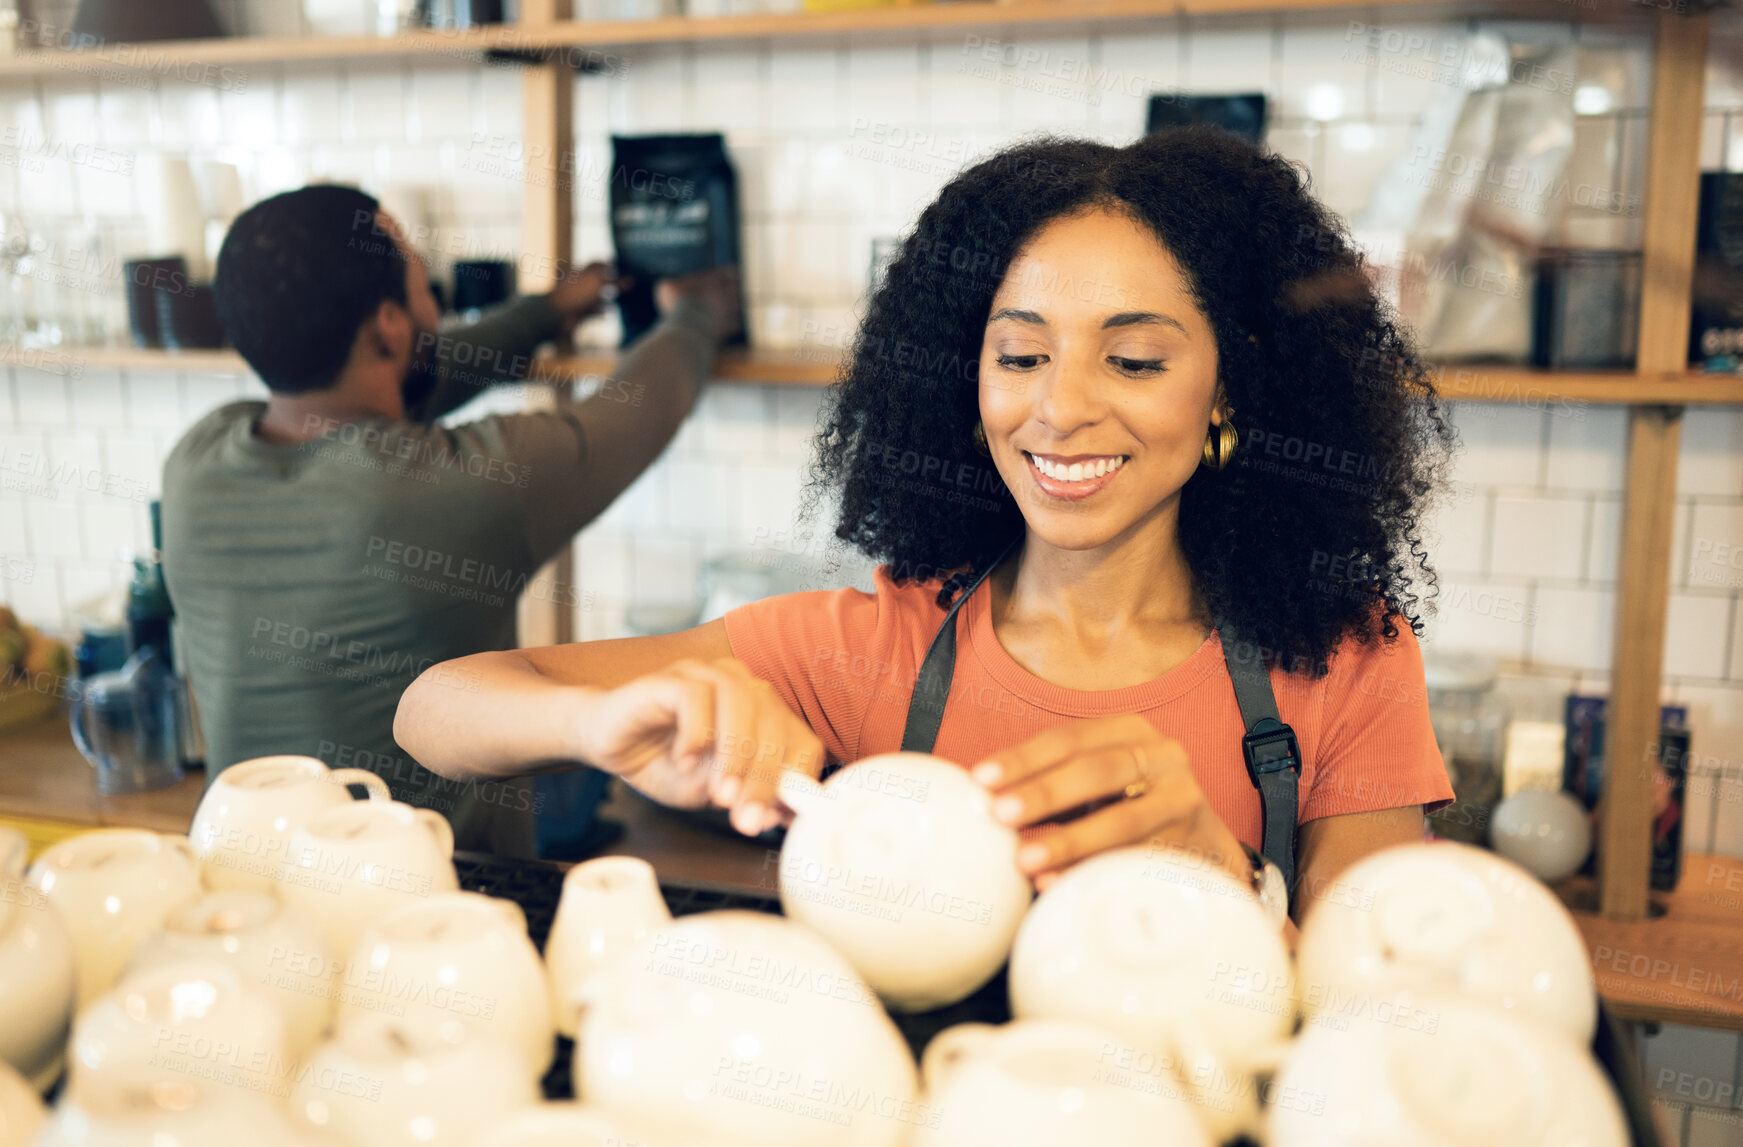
380, 1083
146, 1109
741, 1029
195, 1020
242, 829
37, 980
456, 958
1448, 1071
274, 948
113, 887
1037, 1083
21, 1111
1173, 956
564, 1124
1446, 917
352, 864
608, 905
898, 862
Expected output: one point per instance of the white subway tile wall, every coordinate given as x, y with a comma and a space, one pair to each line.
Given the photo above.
838, 144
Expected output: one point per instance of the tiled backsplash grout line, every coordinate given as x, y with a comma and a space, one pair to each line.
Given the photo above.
1588, 525
1733, 672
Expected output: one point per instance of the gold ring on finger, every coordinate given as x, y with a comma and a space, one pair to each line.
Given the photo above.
1141, 784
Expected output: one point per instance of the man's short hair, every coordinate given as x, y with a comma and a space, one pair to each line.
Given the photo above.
298, 274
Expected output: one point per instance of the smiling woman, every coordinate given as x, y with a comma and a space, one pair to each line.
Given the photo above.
1164, 284
1125, 315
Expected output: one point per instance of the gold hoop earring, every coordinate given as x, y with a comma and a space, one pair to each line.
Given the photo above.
980, 439
1219, 445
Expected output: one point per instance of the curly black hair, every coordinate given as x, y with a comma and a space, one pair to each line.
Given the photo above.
1311, 534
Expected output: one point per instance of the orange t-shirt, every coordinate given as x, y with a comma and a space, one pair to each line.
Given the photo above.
846, 661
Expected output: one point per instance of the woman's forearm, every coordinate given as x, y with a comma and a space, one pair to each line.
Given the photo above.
490, 715
514, 712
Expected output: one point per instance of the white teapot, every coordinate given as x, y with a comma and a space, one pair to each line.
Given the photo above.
242, 829
196, 1020
113, 887
456, 958
145, 1109
897, 861
352, 864
380, 1083
563, 1124
608, 905
37, 981
21, 1111
1040, 1083
1445, 916
1175, 958
1441, 1071
743, 1030
272, 947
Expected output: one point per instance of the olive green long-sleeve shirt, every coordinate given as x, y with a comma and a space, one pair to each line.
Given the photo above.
314, 581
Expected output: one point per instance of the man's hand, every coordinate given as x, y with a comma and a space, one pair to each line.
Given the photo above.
698, 733
716, 289
581, 294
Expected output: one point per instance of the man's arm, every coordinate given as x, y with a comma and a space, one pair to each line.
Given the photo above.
469, 358
568, 464
589, 452
472, 357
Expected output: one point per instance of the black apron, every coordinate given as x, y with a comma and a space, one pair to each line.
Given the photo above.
1269, 747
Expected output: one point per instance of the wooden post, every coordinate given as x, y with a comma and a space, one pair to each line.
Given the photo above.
547, 239
1679, 62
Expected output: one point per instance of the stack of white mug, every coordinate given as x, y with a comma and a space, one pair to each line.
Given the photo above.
302, 969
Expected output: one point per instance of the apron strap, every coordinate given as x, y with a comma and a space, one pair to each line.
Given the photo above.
932, 684
1272, 754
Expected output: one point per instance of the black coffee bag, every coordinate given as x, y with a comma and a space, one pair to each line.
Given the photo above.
674, 211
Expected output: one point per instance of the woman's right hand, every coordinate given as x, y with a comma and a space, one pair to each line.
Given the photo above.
701, 733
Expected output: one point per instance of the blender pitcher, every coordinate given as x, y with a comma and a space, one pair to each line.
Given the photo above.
128, 724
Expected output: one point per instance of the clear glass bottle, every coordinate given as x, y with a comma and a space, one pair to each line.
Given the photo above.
1470, 726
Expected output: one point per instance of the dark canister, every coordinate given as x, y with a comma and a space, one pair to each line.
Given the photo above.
480, 283
188, 319
144, 280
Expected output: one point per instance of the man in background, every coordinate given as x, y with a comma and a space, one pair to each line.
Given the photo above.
324, 547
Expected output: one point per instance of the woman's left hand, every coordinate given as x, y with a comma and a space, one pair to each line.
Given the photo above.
1087, 761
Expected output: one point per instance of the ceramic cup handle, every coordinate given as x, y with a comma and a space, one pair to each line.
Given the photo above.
583, 995
77, 713
439, 828
1225, 1097
378, 790
949, 1048
799, 792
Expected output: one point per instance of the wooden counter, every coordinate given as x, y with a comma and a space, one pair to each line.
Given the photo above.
44, 780
48, 791
1684, 966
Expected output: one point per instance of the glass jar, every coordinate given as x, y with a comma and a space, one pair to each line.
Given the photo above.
1470, 726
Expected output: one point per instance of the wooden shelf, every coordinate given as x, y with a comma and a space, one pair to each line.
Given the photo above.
816, 366
563, 37
796, 367
1478, 383
137, 358
1683, 967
